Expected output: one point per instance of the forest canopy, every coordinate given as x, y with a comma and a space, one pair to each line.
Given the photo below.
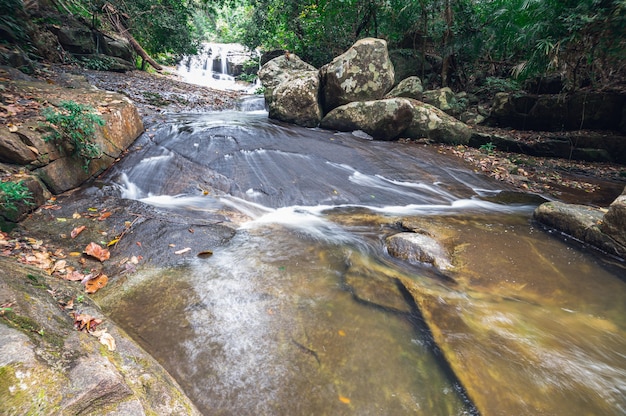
582, 41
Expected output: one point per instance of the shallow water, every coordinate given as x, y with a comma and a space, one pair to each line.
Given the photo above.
302, 312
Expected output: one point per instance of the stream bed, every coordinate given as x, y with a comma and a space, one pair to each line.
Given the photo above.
304, 311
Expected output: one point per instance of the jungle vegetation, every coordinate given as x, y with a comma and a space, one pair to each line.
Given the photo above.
583, 41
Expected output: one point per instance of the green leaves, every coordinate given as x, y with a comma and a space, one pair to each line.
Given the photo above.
12, 193
74, 125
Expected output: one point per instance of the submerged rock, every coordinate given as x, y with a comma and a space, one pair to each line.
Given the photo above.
418, 248
371, 283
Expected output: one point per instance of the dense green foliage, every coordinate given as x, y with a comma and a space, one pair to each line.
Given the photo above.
12, 193
584, 40
468, 41
74, 125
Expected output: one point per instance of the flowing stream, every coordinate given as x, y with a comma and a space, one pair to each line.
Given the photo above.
304, 312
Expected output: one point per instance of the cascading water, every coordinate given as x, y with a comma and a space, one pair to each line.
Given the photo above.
305, 312
213, 67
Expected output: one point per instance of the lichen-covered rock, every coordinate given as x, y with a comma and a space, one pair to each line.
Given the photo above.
279, 70
418, 248
432, 123
363, 73
410, 87
440, 98
381, 119
295, 101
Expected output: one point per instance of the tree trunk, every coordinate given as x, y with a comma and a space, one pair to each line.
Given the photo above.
114, 18
447, 48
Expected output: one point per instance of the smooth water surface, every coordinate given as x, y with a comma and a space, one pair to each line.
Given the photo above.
303, 311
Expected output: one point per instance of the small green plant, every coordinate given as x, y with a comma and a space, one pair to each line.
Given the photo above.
75, 125
98, 63
487, 148
13, 193
247, 77
80, 298
496, 84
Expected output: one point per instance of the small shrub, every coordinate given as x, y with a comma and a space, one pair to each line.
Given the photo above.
487, 148
98, 63
496, 84
75, 125
13, 193
247, 77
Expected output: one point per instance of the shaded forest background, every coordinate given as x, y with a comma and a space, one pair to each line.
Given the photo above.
470, 42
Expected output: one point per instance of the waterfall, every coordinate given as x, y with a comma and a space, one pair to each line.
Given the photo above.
216, 66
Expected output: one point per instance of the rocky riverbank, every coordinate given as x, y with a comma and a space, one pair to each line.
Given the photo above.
52, 331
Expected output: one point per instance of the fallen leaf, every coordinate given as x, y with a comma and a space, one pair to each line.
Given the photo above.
343, 399
108, 340
74, 276
77, 231
205, 253
85, 321
104, 216
113, 242
76, 215
341, 333
59, 266
183, 251
94, 250
97, 283
75, 254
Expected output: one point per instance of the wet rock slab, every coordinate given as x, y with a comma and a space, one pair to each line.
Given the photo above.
47, 367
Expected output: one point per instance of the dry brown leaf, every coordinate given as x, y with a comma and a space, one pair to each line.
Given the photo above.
85, 321
94, 250
74, 276
59, 266
104, 216
77, 231
97, 283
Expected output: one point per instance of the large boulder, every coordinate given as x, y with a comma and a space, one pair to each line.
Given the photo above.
408, 63
587, 224
48, 367
410, 87
26, 145
77, 39
614, 221
280, 70
295, 101
442, 98
432, 123
363, 73
382, 119
13, 150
